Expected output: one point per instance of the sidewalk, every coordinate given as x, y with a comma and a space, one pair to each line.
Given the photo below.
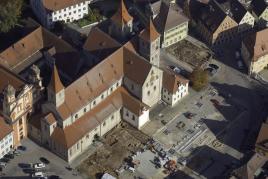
91, 149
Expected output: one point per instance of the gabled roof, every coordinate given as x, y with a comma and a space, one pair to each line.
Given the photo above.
262, 140
5, 128
258, 6
92, 83
9, 78
212, 16
54, 5
168, 18
121, 16
68, 136
100, 44
55, 83
257, 44
171, 81
237, 10
122, 62
20, 55
248, 170
135, 67
149, 34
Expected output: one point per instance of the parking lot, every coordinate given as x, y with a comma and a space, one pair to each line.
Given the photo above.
19, 166
210, 113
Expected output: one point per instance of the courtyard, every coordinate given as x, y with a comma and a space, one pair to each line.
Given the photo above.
190, 52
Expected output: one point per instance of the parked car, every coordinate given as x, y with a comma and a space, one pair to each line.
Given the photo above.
54, 177
9, 156
3, 164
211, 71
216, 67
44, 160
38, 174
21, 147
215, 102
189, 115
178, 70
39, 166
6, 160
163, 122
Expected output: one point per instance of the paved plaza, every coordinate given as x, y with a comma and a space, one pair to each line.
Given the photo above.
15, 168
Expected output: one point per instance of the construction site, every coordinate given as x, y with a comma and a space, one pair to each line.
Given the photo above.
193, 54
118, 145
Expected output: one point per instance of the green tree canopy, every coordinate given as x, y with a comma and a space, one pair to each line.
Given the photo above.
199, 79
10, 12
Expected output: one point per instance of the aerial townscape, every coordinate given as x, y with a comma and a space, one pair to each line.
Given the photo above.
133, 89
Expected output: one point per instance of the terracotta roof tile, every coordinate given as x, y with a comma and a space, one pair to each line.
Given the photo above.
170, 81
55, 82
7, 77
5, 128
135, 67
262, 140
149, 33
68, 136
168, 18
100, 44
55, 5
16, 57
93, 83
122, 16
257, 44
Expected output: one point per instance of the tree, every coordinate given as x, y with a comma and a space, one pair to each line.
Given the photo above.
10, 12
199, 79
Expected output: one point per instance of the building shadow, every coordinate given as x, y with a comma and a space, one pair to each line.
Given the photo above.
239, 102
178, 175
15, 177
210, 163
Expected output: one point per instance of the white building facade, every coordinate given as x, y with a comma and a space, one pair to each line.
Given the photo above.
174, 88
6, 144
48, 12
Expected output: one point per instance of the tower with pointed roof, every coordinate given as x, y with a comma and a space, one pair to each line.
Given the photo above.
55, 89
149, 44
121, 23
9, 99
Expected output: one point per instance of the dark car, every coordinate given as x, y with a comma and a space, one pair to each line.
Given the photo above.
216, 67
211, 71
215, 102
23, 148
44, 160
9, 156
6, 160
54, 177
189, 115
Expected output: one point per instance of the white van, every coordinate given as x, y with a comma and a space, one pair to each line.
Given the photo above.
38, 174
